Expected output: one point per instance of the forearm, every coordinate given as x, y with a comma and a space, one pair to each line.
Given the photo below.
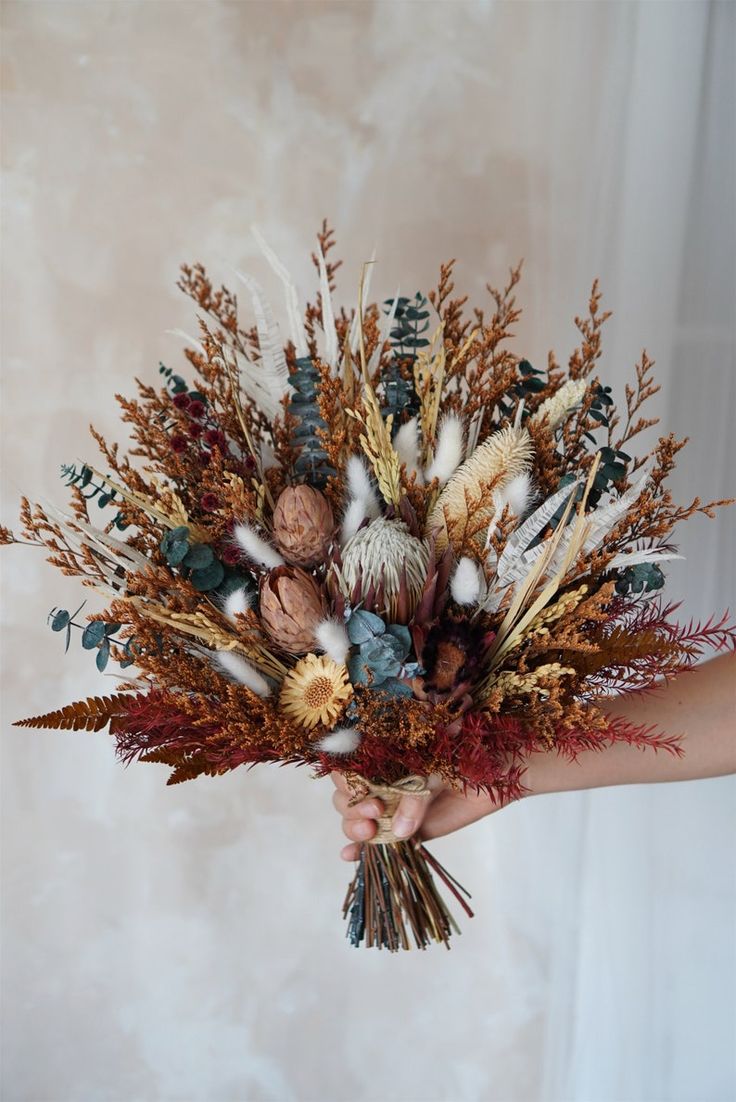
699, 706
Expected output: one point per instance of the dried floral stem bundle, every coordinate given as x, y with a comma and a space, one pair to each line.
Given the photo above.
381, 543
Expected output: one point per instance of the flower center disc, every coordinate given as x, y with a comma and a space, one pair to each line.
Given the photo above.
318, 692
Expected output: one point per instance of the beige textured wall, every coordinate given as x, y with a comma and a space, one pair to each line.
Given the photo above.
185, 944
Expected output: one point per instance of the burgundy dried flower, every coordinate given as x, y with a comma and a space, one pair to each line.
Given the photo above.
195, 430
209, 502
250, 463
181, 401
215, 439
230, 554
196, 409
179, 444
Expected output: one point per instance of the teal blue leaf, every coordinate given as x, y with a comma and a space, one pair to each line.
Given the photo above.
93, 635
198, 556
363, 626
60, 620
209, 578
103, 655
402, 634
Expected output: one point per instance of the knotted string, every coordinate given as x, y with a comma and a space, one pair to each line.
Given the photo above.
391, 795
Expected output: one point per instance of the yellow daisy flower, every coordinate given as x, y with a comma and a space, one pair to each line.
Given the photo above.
315, 691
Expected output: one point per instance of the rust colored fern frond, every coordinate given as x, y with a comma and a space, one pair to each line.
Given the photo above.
92, 714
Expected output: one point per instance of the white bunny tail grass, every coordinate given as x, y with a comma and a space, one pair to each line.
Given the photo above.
256, 548
242, 671
517, 494
358, 479
237, 603
354, 516
449, 451
343, 740
333, 640
363, 501
406, 446
467, 582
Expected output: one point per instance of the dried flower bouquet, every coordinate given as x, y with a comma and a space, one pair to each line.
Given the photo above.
389, 547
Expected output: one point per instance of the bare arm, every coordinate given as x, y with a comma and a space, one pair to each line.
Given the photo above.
699, 705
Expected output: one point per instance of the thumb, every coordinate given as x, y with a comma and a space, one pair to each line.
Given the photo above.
410, 813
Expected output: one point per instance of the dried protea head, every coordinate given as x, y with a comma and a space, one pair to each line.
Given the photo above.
291, 606
316, 691
467, 501
454, 653
386, 556
303, 525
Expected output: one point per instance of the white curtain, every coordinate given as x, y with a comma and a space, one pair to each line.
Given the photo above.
184, 944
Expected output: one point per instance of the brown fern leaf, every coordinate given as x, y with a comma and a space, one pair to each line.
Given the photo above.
84, 715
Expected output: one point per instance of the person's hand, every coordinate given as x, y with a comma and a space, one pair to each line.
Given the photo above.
443, 811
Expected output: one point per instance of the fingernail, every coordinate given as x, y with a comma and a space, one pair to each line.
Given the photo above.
372, 811
402, 827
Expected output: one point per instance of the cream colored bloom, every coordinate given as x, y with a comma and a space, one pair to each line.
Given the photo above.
380, 554
316, 691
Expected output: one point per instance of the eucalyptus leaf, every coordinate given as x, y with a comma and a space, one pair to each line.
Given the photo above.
103, 655
60, 620
198, 556
93, 635
208, 578
363, 626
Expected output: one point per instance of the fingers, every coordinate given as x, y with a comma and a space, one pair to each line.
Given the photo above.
351, 852
366, 809
358, 820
